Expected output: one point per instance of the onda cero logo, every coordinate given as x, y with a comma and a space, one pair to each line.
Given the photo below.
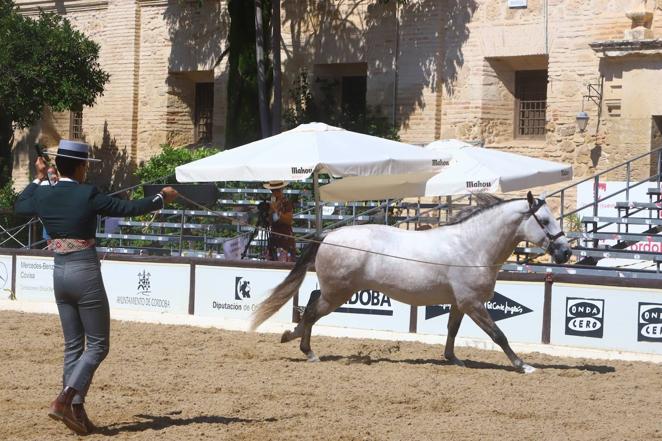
584, 317
650, 322
242, 288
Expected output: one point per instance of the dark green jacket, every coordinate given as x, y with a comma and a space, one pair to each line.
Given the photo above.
69, 209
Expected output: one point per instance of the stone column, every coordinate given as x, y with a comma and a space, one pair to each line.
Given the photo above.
641, 14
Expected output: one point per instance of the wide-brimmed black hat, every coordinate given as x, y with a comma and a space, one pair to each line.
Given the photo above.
74, 150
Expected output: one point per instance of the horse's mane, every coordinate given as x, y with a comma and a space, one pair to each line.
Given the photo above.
484, 202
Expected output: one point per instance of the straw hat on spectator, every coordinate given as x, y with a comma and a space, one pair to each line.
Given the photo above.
275, 185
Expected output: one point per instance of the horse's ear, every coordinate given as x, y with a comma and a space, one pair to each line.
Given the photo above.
543, 196
530, 199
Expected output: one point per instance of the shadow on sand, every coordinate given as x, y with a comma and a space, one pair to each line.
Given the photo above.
156, 422
469, 364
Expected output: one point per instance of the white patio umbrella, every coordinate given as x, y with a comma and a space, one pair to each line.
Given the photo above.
476, 169
471, 170
311, 149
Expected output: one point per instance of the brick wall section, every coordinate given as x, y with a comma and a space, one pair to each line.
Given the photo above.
153, 87
454, 70
137, 50
110, 119
419, 76
478, 103
181, 102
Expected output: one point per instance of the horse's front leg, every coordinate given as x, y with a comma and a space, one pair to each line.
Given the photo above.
454, 321
478, 313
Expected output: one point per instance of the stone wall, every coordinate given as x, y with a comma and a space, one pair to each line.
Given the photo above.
438, 69
145, 46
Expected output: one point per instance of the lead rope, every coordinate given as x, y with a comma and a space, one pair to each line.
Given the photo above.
408, 259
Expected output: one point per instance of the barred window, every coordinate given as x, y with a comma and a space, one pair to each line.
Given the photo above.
204, 111
76, 125
531, 105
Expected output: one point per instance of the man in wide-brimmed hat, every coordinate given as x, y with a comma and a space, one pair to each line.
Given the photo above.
69, 212
281, 245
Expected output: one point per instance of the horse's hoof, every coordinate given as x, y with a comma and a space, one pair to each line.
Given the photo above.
456, 361
312, 357
528, 369
287, 336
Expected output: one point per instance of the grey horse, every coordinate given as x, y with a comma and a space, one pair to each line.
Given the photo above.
455, 264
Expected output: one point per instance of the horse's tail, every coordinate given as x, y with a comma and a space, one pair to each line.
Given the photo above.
287, 288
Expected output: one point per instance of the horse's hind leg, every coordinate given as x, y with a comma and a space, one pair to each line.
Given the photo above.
298, 330
315, 310
479, 314
454, 320
311, 314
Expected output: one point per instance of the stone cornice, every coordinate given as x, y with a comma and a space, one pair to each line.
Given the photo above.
624, 48
32, 7
153, 2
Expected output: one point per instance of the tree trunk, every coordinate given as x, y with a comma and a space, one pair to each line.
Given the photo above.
242, 120
6, 140
261, 77
275, 49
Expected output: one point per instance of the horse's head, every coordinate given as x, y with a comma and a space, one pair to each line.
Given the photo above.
542, 229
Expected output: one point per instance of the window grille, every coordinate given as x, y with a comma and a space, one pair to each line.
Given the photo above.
76, 125
531, 106
204, 111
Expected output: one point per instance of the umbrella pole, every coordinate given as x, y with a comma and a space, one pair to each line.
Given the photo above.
318, 212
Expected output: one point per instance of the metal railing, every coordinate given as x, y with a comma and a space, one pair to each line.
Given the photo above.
627, 165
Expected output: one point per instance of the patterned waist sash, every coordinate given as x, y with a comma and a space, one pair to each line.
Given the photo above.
64, 246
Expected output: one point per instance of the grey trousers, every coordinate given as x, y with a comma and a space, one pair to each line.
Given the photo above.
85, 317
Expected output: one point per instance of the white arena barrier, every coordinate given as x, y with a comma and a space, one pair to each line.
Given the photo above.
581, 313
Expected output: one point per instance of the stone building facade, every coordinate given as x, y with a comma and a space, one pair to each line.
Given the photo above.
511, 73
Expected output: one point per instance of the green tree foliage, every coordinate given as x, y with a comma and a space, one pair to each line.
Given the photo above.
7, 217
43, 62
163, 165
7, 195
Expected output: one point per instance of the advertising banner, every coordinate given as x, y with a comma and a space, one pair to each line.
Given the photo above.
605, 317
6, 270
232, 248
143, 286
365, 309
233, 292
34, 278
516, 308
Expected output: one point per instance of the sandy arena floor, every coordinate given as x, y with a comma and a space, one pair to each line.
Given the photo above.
184, 383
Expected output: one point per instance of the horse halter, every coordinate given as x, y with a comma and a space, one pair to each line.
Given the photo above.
539, 203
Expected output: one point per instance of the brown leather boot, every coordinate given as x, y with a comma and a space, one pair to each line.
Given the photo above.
61, 410
81, 416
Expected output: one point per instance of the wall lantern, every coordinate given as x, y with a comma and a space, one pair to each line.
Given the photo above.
582, 120
595, 95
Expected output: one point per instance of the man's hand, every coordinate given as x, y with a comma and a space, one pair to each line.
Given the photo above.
41, 168
53, 176
169, 194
